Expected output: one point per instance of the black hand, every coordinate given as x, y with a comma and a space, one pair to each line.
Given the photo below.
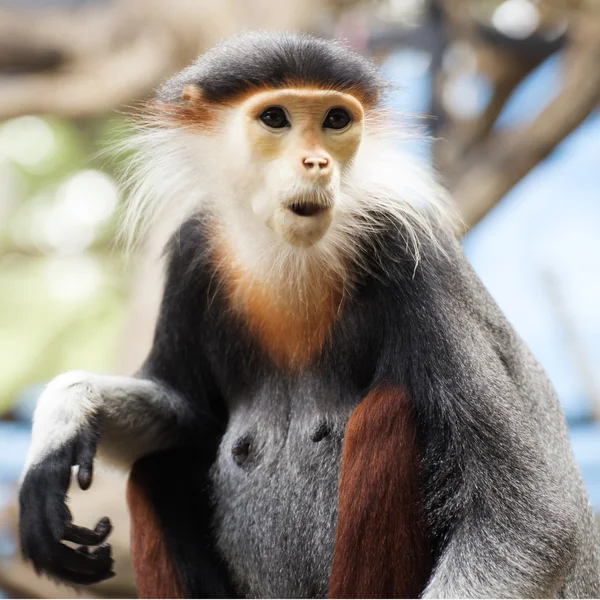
45, 520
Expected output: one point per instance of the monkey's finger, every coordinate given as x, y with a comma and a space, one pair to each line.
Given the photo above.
81, 578
84, 477
85, 453
88, 537
102, 550
83, 563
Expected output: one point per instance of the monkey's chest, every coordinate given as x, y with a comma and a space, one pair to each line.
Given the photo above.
275, 485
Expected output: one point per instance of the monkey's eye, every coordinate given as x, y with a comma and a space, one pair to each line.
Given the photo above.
274, 117
336, 118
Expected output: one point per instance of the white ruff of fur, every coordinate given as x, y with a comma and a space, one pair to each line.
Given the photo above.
176, 173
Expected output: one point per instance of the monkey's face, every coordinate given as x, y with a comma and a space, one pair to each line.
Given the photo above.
298, 145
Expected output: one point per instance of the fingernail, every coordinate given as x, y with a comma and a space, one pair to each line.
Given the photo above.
84, 477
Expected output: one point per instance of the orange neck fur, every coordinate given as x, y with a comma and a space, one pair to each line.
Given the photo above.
289, 325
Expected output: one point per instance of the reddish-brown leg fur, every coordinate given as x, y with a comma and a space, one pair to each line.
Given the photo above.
381, 548
155, 573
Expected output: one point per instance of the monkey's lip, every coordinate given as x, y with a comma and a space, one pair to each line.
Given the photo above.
300, 224
306, 209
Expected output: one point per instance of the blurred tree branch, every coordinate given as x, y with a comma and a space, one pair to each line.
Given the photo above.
504, 159
479, 164
83, 62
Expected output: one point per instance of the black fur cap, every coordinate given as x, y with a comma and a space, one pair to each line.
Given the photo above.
274, 60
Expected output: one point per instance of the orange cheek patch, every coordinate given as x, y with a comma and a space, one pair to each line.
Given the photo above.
289, 329
193, 113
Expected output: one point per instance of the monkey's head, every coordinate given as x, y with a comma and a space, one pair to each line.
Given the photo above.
279, 135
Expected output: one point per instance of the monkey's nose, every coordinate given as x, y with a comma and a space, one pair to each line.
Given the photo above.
317, 164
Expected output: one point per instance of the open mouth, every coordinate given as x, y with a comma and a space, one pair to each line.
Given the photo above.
306, 209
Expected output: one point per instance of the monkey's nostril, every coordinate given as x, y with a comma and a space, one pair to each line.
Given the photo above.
315, 163
305, 209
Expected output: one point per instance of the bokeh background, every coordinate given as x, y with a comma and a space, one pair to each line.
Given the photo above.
499, 96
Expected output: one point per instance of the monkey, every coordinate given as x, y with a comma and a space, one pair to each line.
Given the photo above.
333, 405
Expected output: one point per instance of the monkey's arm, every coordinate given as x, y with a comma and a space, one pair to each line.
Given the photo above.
77, 413
500, 480
126, 418
511, 539
501, 491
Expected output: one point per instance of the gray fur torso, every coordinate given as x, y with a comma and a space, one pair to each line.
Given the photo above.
283, 494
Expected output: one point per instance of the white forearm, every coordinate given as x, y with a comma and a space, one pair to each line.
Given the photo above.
133, 416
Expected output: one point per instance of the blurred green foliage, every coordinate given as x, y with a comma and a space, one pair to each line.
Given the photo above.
62, 278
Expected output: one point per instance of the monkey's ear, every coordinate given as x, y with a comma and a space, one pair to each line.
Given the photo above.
191, 92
